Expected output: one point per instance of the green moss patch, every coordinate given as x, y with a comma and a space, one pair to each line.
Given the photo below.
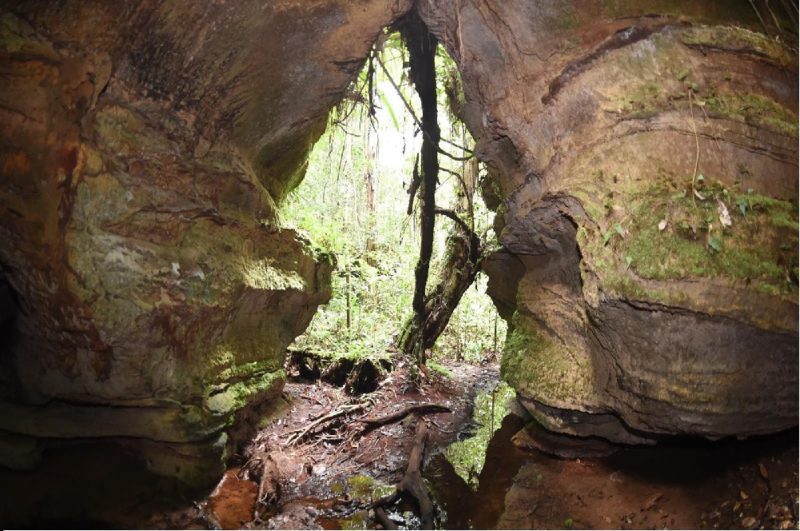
366, 489
240, 394
468, 456
667, 232
735, 39
263, 274
753, 110
541, 368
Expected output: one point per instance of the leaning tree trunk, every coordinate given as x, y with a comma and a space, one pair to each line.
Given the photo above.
461, 266
422, 51
643, 162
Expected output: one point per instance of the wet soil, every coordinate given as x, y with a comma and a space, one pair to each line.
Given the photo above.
686, 484
328, 479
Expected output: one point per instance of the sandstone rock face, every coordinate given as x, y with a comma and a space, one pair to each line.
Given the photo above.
145, 149
643, 161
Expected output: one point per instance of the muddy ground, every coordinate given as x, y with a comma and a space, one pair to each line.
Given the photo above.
328, 478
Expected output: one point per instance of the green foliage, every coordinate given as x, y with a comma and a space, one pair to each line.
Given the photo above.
353, 203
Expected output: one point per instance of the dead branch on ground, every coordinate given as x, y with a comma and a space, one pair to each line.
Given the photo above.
301, 433
420, 409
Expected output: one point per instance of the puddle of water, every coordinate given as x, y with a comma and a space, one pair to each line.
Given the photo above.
467, 456
677, 484
233, 501
460, 505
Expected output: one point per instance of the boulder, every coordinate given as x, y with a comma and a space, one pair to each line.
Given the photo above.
643, 165
145, 151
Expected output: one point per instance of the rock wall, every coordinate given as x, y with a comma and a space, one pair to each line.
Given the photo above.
643, 164
144, 151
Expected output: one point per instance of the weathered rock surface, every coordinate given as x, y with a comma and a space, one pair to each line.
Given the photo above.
148, 291
643, 162
144, 150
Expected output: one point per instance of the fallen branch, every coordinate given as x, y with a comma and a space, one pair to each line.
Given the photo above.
412, 483
301, 433
420, 409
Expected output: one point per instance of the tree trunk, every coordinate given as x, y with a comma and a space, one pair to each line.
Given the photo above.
462, 264
422, 51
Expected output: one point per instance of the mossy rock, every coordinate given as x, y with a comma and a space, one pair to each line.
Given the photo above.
541, 367
671, 230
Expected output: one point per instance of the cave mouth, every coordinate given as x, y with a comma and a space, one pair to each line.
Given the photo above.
358, 200
354, 203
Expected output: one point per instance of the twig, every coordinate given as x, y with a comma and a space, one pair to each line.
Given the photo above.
760, 18
452, 215
301, 433
697, 146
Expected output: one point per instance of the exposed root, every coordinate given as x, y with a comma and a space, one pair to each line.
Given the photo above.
268, 486
384, 519
412, 483
420, 409
325, 421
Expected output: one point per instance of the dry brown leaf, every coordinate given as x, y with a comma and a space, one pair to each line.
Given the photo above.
748, 522
763, 471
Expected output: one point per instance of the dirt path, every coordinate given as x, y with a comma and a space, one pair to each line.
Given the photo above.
326, 479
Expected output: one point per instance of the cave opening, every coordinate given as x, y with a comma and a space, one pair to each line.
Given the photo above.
9, 309
637, 220
362, 199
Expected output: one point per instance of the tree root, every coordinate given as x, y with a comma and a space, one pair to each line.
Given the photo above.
302, 433
268, 486
383, 518
412, 483
420, 409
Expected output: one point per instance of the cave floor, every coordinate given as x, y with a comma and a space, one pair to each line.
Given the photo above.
329, 483
328, 479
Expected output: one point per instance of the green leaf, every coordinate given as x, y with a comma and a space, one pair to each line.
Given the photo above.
683, 74
619, 230
744, 205
607, 237
628, 261
390, 110
715, 244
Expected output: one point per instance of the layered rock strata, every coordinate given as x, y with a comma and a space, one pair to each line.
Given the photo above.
643, 165
146, 148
